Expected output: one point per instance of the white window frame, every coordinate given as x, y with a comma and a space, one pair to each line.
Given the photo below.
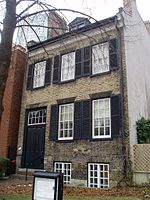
39, 74
68, 66
104, 118
67, 121
96, 175
35, 116
67, 176
98, 54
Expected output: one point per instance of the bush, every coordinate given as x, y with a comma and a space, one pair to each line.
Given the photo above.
143, 131
3, 165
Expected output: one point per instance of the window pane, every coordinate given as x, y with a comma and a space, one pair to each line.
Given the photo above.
64, 168
37, 117
99, 178
66, 121
39, 74
100, 58
68, 66
101, 118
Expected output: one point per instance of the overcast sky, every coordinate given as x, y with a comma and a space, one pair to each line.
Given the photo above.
100, 9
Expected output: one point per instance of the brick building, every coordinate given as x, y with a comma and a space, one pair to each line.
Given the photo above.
12, 102
81, 101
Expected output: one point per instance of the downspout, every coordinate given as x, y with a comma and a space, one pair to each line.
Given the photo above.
119, 28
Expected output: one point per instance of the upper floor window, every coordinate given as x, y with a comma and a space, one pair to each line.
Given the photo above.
100, 58
89, 60
39, 74
101, 118
66, 121
68, 66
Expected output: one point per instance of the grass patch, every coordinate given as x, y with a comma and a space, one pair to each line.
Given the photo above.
103, 198
21, 197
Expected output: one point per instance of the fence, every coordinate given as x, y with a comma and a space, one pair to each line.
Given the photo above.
141, 163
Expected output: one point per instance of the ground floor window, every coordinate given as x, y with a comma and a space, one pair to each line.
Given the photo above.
65, 168
98, 175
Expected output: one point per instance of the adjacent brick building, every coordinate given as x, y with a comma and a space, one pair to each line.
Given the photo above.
12, 102
78, 110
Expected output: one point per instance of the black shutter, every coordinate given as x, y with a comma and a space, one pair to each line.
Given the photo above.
78, 63
86, 119
56, 72
30, 77
48, 71
87, 61
115, 116
113, 55
77, 120
54, 123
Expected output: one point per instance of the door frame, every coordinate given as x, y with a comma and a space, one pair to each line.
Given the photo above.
23, 157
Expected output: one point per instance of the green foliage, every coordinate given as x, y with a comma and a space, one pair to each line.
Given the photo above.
3, 165
143, 131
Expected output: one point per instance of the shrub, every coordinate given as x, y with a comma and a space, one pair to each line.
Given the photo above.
3, 165
143, 131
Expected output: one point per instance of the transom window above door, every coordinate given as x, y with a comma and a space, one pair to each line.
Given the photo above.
39, 74
68, 66
37, 117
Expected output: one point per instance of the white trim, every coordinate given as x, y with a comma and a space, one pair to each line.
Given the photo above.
39, 74
72, 120
62, 169
98, 177
93, 122
97, 50
32, 119
68, 65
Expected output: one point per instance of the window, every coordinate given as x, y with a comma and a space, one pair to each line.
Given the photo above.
64, 168
98, 175
100, 58
68, 66
37, 117
66, 121
101, 118
39, 74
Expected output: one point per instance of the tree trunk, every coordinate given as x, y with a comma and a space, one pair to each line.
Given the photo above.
9, 25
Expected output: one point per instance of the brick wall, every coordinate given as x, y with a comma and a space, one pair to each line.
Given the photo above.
12, 102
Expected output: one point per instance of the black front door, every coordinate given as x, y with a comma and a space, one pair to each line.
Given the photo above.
35, 147
33, 155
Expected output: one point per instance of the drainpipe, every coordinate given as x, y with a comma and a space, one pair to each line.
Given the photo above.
119, 28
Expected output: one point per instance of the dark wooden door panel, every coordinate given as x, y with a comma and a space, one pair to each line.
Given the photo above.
35, 147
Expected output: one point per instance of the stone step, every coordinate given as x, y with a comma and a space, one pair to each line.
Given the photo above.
25, 177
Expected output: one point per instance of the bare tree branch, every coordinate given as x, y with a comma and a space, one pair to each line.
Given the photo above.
47, 27
36, 35
30, 6
52, 10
